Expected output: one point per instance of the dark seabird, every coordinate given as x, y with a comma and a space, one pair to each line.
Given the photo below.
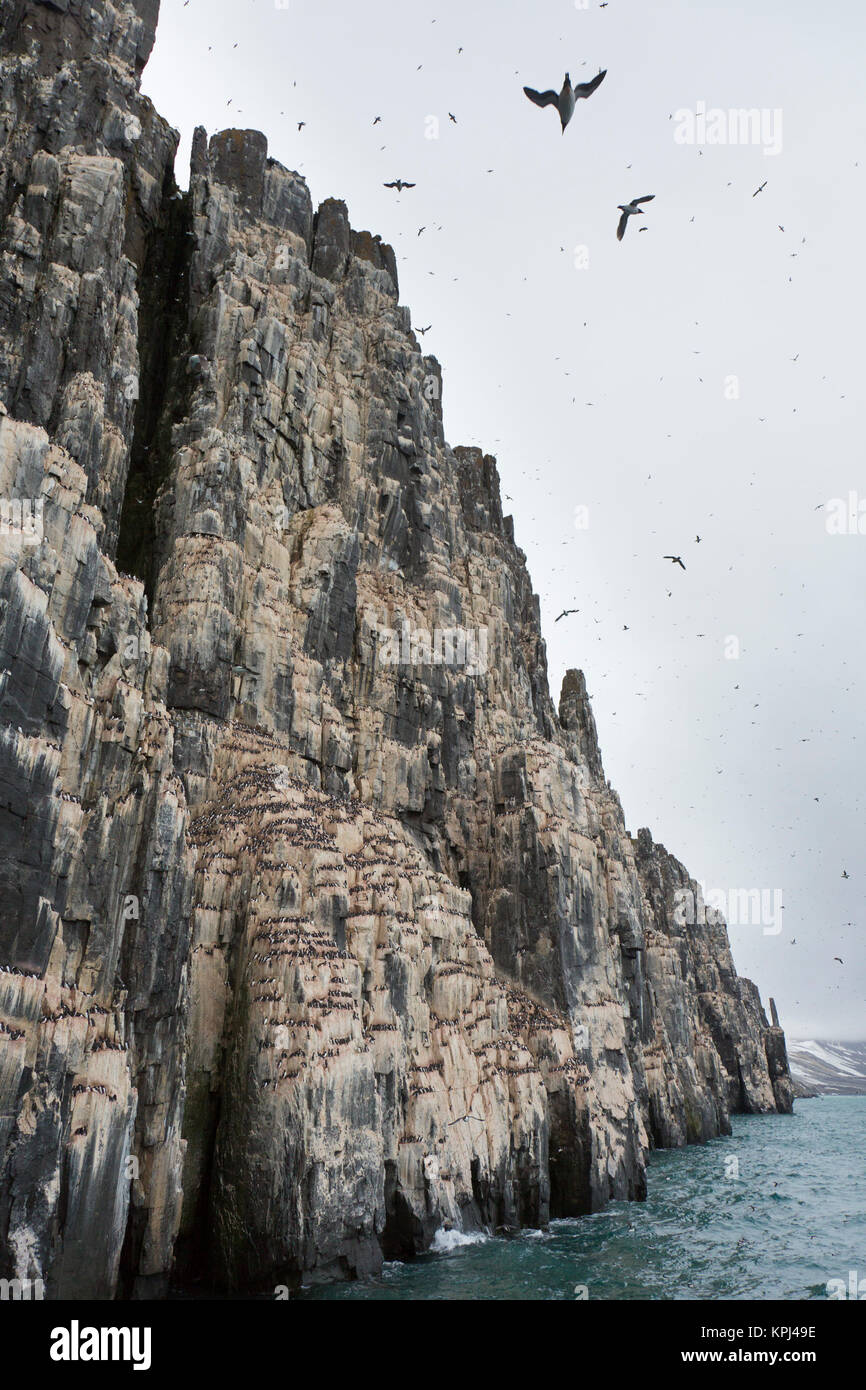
424, 330
630, 210
839, 959
761, 189
566, 612
676, 559
566, 100
399, 184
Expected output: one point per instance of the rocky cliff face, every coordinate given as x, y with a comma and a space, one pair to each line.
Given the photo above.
321, 927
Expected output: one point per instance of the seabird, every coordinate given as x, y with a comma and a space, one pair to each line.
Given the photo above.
566, 612
399, 184
629, 210
845, 873
761, 189
566, 100
839, 959
424, 330
676, 559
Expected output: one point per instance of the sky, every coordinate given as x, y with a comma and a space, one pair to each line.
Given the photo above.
700, 378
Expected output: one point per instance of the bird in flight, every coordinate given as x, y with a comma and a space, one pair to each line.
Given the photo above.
845, 873
424, 330
399, 184
630, 210
566, 100
452, 117
761, 189
839, 959
676, 559
566, 612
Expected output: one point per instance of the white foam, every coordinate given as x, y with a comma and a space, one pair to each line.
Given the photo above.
445, 1241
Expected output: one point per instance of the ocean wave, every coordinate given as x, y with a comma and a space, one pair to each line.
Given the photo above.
446, 1241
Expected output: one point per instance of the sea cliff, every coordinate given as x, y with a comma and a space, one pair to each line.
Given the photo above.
321, 926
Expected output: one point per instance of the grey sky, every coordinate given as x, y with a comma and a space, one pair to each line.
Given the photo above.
650, 332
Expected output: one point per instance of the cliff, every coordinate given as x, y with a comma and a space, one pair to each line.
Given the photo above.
321, 926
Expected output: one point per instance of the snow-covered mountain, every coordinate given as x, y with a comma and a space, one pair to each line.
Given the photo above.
831, 1068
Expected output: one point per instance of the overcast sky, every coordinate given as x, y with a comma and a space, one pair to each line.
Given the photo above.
704, 377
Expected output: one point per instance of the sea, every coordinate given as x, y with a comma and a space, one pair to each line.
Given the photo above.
776, 1210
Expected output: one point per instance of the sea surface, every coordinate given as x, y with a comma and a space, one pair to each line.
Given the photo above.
774, 1211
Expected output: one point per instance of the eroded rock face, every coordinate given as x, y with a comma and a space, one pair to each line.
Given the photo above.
322, 927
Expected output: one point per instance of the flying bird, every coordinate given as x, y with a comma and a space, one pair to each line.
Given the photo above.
761, 189
566, 612
839, 959
630, 210
566, 100
676, 560
424, 330
845, 873
399, 184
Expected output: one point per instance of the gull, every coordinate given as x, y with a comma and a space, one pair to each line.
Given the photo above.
676, 560
630, 210
565, 613
399, 184
566, 100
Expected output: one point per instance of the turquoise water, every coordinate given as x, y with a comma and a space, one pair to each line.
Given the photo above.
793, 1219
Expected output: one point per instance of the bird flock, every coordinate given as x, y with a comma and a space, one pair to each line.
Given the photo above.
565, 102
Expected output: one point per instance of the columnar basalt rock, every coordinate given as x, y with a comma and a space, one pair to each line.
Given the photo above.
322, 928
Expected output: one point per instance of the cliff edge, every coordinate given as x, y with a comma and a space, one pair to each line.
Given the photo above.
321, 925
